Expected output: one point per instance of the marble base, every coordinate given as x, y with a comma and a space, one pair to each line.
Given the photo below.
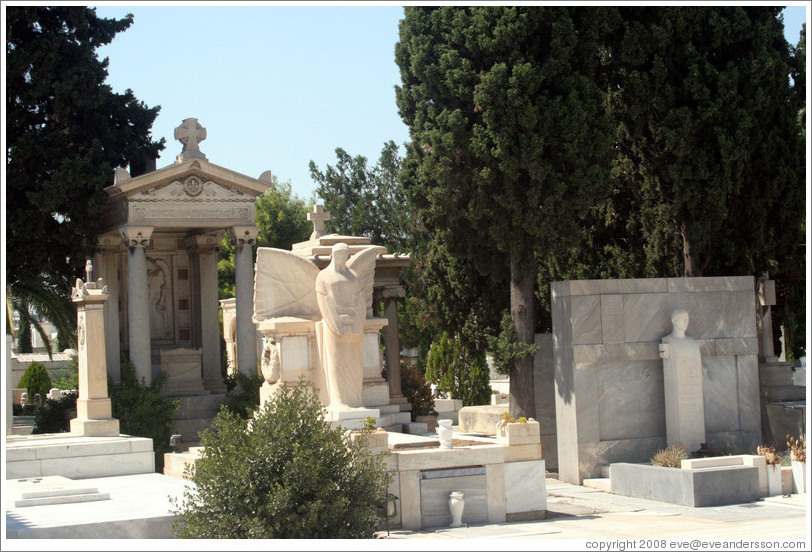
139, 508
525, 488
77, 456
55, 489
351, 418
95, 428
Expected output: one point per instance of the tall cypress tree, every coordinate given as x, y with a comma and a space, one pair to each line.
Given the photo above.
66, 132
708, 134
509, 140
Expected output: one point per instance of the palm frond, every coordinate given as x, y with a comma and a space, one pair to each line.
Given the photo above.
45, 298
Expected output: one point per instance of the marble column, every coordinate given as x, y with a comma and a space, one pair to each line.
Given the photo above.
207, 247
391, 295
766, 299
243, 238
107, 263
9, 387
93, 408
137, 239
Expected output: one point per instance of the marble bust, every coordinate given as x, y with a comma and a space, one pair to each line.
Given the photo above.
683, 385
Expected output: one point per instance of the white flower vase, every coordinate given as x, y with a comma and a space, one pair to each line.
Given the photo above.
799, 476
445, 433
774, 487
456, 503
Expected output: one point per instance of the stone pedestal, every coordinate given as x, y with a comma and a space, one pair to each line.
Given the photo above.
183, 368
93, 408
290, 354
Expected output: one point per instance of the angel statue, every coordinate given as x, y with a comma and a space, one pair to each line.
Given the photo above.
338, 298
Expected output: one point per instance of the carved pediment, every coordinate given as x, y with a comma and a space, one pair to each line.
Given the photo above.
192, 187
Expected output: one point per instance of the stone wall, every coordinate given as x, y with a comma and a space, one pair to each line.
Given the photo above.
544, 387
609, 399
55, 365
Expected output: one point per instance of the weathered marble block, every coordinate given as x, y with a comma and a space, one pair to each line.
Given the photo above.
184, 369
526, 433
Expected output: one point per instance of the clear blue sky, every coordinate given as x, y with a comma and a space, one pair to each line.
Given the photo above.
275, 86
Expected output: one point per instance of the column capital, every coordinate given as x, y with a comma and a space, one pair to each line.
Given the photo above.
136, 236
204, 243
243, 235
393, 292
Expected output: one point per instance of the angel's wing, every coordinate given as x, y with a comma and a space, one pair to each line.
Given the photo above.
363, 264
284, 285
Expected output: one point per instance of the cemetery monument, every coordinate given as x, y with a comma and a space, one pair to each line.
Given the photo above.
682, 383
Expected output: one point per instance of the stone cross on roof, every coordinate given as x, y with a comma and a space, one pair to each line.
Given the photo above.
318, 218
190, 133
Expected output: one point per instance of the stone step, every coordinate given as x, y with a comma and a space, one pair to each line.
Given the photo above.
375, 393
190, 428
389, 409
600, 483
199, 406
48, 490
784, 393
415, 428
77, 457
175, 463
193, 414
394, 419
395, 428
23, 425
776, 374
447, 405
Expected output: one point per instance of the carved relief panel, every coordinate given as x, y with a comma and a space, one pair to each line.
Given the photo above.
161, 304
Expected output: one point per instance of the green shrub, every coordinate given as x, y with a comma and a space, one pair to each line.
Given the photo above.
54, 416
506, 348
671, 456
416, 389
143, 410
458, 372
284, 474
36, 380
67, 378
27, 410
242, 397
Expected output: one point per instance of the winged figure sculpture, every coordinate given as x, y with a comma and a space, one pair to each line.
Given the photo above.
338, 299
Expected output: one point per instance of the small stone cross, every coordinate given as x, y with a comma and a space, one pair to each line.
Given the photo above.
318, 218
190, 133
